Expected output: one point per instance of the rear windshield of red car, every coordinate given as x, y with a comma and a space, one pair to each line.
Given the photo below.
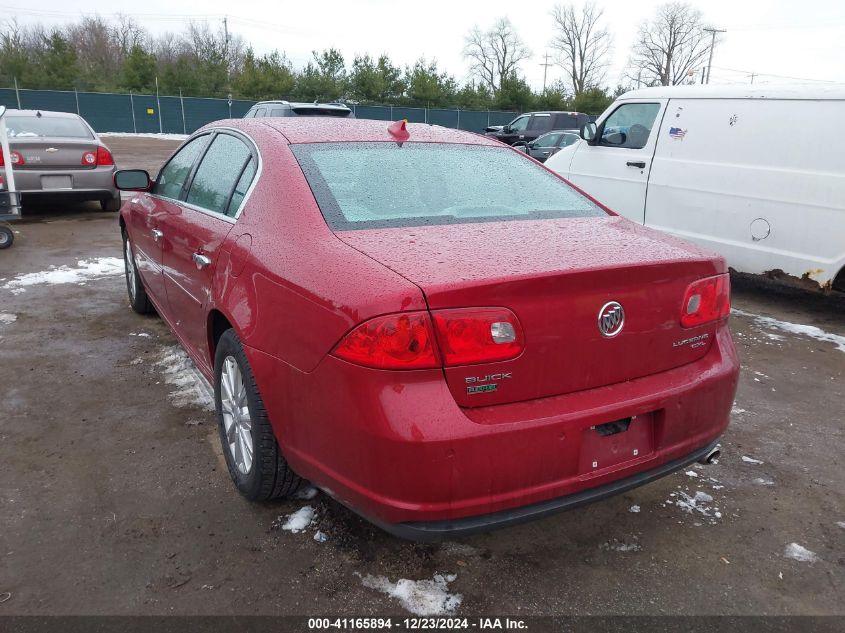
385, 184
45, 125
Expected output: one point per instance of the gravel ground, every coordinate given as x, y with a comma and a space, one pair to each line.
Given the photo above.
114, 497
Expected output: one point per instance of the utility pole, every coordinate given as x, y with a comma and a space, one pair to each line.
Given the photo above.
712, 32
752, 77
226, 43
545, 66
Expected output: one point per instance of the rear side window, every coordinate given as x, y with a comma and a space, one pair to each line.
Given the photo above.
46, 125
566, 122
548, 140
374, 185
540, 122
242, 187
172, 178
218, 173
277, 112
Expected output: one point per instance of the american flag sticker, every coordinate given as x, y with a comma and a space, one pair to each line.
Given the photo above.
677, 133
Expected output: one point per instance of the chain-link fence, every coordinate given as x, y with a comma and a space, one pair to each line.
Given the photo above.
112, 112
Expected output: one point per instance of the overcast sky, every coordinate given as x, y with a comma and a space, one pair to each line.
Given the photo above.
797, 40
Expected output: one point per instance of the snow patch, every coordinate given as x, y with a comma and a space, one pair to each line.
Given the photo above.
841, 524
163, 137
85, 270
760, 481
320, 537
420, 597
190, 388
299, 521
698, 503
795, 328
737, 411
691, 473
306, 494
751, 460
620, 546
7, 318
634, 509
141, 334
800, 553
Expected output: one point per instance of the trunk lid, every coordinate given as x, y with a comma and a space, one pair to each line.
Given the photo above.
53, 152
555, 275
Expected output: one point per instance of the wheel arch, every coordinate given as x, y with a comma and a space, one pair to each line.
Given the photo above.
217, 323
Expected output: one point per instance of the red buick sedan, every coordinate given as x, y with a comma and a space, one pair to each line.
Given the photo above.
432, 327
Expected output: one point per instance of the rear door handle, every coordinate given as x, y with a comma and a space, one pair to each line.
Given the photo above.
157, 235
201, 260
640, 164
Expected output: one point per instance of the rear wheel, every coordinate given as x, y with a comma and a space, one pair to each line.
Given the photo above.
110, 204
255, 462
138, 298
7, 237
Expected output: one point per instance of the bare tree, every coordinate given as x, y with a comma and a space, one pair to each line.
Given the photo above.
670, 46
582, 45
495, 54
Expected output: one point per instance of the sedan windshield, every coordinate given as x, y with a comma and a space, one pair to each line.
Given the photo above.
35, 126
376, 185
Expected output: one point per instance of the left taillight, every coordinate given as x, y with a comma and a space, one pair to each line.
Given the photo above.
406, 340
393, 341
14, 157
706, 300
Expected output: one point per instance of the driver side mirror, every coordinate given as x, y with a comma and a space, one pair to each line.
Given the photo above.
522, 147
589, 132
132, 180
506, 128
2, 110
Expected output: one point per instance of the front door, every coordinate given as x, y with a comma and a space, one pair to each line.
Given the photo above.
615, 170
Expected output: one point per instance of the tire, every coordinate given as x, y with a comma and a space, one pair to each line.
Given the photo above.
138, 298
266, 475
111, 204
7, 237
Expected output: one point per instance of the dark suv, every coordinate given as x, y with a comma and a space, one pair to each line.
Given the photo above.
531, 125
286, 108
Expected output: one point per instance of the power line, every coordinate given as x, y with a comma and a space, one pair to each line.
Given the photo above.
759, 74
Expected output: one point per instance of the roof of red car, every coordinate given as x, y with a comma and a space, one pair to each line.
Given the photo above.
329, 130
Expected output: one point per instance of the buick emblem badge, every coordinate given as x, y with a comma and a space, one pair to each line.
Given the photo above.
611, 319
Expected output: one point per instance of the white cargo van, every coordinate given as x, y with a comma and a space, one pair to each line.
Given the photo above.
754, 173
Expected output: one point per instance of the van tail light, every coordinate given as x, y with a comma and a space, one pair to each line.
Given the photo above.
464, 336
478, 335
706, 300
14, 157
394, 341
101, 158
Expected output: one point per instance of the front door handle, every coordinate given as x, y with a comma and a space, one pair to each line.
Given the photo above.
201, 260
157, 235
639, 164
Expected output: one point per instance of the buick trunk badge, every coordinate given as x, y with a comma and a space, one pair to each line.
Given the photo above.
51, 149
611, 319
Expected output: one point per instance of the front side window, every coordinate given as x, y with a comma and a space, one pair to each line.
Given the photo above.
569, 139
376, 185
217, 174
547, 140
260, 112
172, 178
629, 126
519, 124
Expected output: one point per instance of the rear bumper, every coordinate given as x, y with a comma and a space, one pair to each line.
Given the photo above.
86, 184
437, 531
396, 448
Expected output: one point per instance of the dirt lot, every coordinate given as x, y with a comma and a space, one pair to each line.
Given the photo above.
114, 498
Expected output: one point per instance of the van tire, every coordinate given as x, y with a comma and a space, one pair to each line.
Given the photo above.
268, 475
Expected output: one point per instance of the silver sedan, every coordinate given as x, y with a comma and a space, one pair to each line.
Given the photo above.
57, 155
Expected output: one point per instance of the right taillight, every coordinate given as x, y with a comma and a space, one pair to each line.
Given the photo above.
15, 157
706, 300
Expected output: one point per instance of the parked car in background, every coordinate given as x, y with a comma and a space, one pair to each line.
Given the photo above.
529, 126
286, 108
440, 334
711, 164
57, 156
548, 144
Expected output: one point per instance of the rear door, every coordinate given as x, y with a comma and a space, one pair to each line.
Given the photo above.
615, 170
545, 146
146, 213
196, 227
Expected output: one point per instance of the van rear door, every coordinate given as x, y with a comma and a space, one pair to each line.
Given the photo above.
615, 170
